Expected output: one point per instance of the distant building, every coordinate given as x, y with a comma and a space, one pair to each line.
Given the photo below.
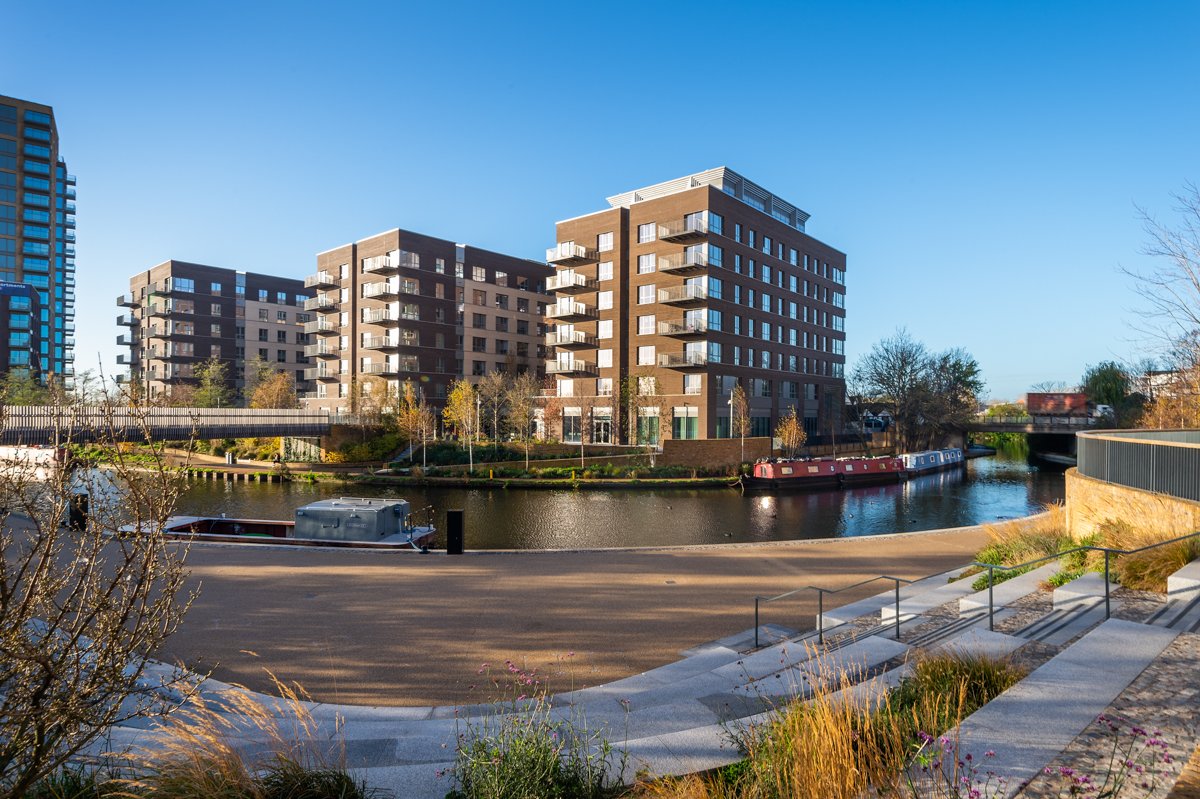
681, 290
37, 243
402, 306
181, 314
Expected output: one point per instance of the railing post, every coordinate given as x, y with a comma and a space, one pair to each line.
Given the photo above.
821, 616
756, 622
1107, 608
991, 606
897, 610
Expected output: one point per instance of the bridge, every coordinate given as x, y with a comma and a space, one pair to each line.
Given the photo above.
1062, 425
32, 424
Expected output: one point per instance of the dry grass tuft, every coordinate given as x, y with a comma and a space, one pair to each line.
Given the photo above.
1149, 570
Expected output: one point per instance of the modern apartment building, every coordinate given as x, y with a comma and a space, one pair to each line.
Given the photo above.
181, 314
405, 306
678, 291
37, 243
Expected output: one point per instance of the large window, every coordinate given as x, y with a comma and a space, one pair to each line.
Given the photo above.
646, 294
185, 284
647, 232
645, 325
605, 272
604, 300
645, 355
686, 423
646, 263
605, 329
604, 242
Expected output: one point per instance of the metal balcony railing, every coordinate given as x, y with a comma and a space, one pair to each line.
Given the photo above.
683, 262
321, 302
569, 283
683, 294
682, 360
569, 311
321, 279
686, 229
570, 254
321, 327
683, 329
570, 368
570, 339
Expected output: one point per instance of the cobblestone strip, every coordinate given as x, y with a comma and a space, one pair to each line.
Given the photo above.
1163, 697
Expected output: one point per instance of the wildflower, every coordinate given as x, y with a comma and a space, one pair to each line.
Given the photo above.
990, 753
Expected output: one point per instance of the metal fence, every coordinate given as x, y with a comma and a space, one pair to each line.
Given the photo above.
1164, 461
49, 425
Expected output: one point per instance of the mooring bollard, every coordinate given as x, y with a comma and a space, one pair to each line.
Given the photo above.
454, 532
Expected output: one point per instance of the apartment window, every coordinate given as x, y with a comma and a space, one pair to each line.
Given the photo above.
765, 302
715, 288
281, 336
522, 305
281, 316
647, 232
263, 295
714, 319
281, 356
478, 368
646, 263
479, 274
691, 384
605, 329
239, 332
501, 278
215, 309
478, 321
214, 331
737, 231
716, 223
604, 387
262, 335
604, 300
766, 244
605, 272
439, 291
502, 324
766, 274
646, 294
501, 346
502, 301
604, 242
439, 265
646, 325
263, 352
645, 355
522, 327
478, 344
604, 359
263, 314
522, 349
478, 297
716, 256
215, 289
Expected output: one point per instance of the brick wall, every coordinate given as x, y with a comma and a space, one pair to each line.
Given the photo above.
711, 452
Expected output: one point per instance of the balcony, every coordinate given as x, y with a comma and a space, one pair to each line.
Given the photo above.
683, 329
381, 369
322, 350
568, 254
380, 316
320, 373
573, 367
391, 263
683, 295
127, 320
126, 340
127, 301
158, 310
687, 229
321, 302
683, 263
321, 280
321, 327
69, 207
683, 360
570, 312
125, 359
385, 290
571, 340
122, 380
380, 343
569, 283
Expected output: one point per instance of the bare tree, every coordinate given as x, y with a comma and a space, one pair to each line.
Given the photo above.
1051, 387
82, 607
522, 408
493, 391
739, 416
1172, 289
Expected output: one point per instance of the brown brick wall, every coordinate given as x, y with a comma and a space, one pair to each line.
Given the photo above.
709, 452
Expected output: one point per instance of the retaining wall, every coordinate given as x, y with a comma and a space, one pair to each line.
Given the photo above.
1092, 502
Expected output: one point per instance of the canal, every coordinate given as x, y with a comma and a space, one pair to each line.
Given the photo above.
989, 489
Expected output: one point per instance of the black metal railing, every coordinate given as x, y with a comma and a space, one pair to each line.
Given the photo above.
992, 568
821, 592
1163, 461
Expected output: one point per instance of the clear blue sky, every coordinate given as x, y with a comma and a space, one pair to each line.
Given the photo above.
979, 163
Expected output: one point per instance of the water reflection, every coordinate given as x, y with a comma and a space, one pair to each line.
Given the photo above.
990, 489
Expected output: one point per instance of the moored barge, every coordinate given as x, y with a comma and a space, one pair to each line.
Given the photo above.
783, 474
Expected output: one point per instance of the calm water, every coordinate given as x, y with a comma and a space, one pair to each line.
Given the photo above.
990, 489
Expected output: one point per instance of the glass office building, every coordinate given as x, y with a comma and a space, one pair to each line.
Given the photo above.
37, 244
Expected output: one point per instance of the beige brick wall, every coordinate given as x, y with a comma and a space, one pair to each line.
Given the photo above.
1092, 502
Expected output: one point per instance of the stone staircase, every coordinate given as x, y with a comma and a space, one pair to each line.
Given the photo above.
676, 718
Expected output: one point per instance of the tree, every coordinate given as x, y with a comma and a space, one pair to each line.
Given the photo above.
276, 391
928, 394
739, 416
1172, 290
82, 609
462, 413
258, 371
522, 408
1007, 410
21, 387
790, 432
213, 389
492, 389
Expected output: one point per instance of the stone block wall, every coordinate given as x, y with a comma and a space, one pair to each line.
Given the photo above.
1092, 502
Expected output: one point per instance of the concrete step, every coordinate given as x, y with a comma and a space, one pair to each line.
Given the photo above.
974, 619
1031, 723
1084, 589
928, 599
875, 604
1182, 609
1068, 621
855, 661
1009, 591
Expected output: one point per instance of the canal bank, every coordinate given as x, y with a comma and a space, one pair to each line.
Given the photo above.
403, 631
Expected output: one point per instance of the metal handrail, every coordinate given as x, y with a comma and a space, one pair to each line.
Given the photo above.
991, 568
1108, 553
821, 592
